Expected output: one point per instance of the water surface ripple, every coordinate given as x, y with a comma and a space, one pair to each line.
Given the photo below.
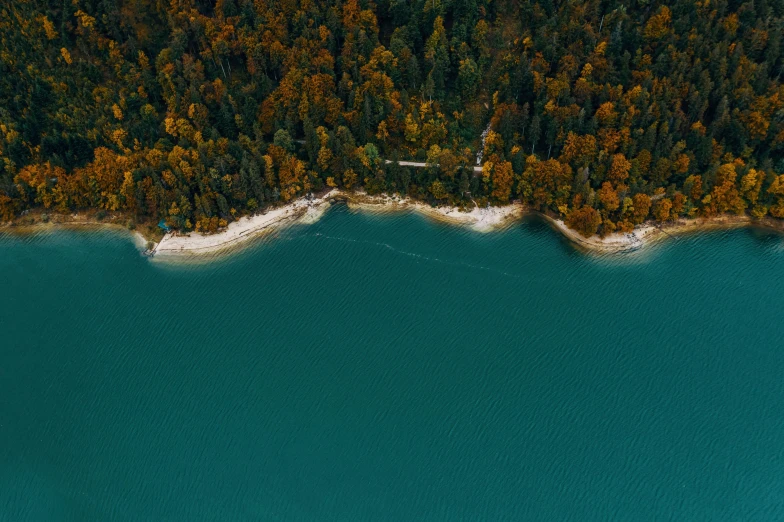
389, 368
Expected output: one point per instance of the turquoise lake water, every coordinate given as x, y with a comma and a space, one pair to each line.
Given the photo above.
391, 368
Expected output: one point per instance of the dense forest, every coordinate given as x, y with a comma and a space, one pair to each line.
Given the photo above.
604, 112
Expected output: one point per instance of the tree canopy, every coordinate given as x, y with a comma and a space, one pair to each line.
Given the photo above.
607, 113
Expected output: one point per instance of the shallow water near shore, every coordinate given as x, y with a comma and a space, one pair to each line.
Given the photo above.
373, 367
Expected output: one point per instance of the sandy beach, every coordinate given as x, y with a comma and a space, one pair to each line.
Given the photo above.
650, 232
305, 210
612, 243
175, 246
76, 221
478, 219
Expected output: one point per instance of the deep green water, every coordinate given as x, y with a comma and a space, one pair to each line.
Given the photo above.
390, 368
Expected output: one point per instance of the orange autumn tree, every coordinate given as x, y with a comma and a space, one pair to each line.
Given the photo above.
725, 196
585, 220
502, 181
171, 110
641, 208
545, 183
776, 190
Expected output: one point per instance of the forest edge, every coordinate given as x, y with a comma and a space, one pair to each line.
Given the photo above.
194, 245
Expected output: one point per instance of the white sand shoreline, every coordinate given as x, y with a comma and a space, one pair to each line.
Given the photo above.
478, 219
306, 211
612, 243
174, 246
196, 246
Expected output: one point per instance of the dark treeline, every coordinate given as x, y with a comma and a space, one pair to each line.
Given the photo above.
195, 111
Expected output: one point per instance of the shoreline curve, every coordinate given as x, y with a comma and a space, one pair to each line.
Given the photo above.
307, 210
